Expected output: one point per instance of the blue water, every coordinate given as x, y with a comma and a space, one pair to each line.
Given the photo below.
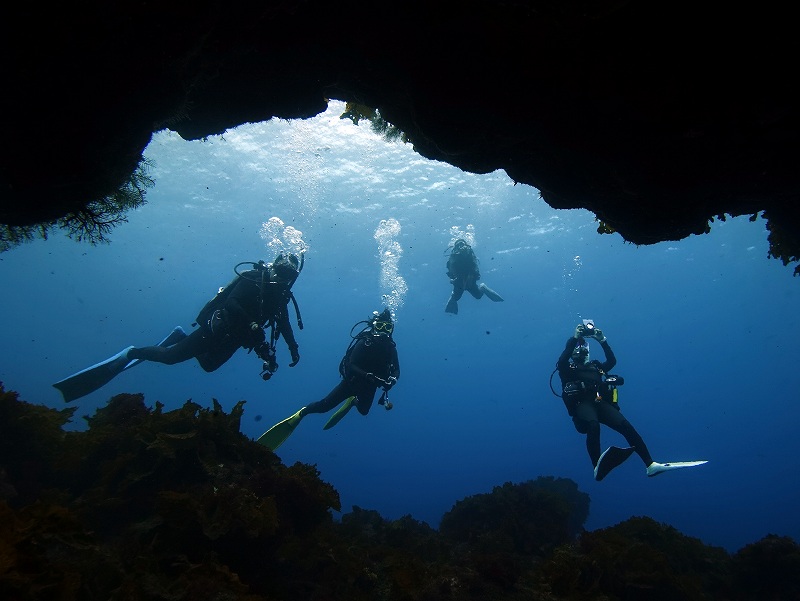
704, 329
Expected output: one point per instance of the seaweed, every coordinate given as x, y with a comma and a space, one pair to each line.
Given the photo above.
179, 505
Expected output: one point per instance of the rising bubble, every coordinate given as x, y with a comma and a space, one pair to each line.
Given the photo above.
392, 285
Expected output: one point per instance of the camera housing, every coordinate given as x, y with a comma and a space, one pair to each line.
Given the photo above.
270, 364
588, 327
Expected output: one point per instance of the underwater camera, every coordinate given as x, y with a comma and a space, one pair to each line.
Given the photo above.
588, 327
270, 365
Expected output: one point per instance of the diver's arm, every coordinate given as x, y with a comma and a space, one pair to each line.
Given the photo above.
611, 359
563, 360
396, 365
394, 368
285, 329
473, 266
236, 312
355, 370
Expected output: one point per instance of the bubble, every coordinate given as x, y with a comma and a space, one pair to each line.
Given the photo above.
280, 237
392, 285
467, 234
569, 276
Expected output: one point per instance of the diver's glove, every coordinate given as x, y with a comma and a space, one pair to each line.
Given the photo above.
599, 336
579, 331
295, 356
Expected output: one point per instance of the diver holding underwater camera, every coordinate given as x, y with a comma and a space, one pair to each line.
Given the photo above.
589, 393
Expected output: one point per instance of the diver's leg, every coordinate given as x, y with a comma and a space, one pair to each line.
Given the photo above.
365, 396
218, 353
586, 422
491, 294
452, 304
340, 392
182, 351
614, 419
474, 289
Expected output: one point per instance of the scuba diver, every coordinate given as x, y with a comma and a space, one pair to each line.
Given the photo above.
589, 393
462, 269
256, 299
370, 362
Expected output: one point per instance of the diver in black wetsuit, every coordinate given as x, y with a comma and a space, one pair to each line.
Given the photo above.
236, 318
462, 269
589, 394
369, 363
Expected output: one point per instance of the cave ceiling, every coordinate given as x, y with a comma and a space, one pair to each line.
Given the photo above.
657, 117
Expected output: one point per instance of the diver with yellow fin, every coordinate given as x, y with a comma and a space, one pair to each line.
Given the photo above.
589, 393
370, 362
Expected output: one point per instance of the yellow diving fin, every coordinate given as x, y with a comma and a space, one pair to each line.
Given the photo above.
340, 413
277, 434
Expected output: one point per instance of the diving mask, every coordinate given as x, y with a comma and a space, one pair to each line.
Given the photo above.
383, 326
580, 354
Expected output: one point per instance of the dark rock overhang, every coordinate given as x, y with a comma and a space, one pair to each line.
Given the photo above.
655, 117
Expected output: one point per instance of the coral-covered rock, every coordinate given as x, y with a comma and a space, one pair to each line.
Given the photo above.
530, 518
180, 506
639, 560
768, 569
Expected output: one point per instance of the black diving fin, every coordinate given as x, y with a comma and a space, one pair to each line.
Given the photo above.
92, 378
611, 458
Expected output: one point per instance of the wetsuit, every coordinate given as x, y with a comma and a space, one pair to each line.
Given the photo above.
250, 297
580, 386
462, 269
370, 354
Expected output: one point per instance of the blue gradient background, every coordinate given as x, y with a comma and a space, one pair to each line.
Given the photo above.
704, 329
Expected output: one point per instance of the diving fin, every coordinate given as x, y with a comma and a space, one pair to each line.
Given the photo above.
655, 468
92, 378
452, 307
340, 413
491, 294
611, 458
277, 434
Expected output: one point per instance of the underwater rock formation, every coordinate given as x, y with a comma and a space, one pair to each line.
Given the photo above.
657, 118
179, 505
